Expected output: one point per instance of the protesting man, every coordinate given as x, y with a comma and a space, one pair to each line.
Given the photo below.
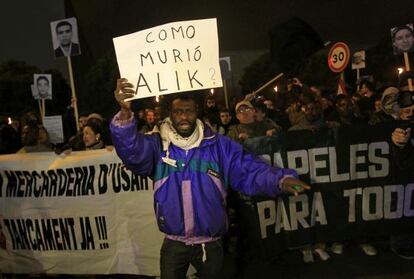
402, 149
192, 168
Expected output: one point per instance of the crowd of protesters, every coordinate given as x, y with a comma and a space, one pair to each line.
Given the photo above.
301, 107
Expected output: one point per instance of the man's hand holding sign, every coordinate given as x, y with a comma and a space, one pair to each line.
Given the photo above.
190, 164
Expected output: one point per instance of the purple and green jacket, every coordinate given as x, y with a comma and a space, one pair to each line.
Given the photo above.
190, 199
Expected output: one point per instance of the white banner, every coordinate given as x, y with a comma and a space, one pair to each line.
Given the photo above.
174, 57
82, 214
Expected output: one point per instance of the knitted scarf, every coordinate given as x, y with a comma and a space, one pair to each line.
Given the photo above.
170, 135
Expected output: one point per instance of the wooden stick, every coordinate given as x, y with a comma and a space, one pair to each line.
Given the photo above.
39, 102
269, 82
43, 109
358, 83
226, 98
72, 86
407, 68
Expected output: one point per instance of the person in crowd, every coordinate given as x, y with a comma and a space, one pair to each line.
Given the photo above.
367, 89
31, 140
327, 104
379, 116
77, 142
106, 135
64, 33
150, 125
44, 138
93, 134
43, 87
276, 110
313, 119
158, 115
262, 119
225, 122
9, 139
248, 127
191, 167
294, 110
402, 150
15, 124
211, 112
402, 39
344, 113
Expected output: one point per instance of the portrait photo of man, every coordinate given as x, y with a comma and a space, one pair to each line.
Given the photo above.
358, 60
42, 88
65, 37
402, 38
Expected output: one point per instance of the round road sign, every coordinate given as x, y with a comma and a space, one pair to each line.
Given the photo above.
338, 57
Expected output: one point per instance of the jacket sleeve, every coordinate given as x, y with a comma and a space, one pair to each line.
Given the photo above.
138, 152
249, 174
404, 157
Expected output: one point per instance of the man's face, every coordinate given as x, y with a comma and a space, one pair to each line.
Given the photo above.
150, 118
43, 87
406, 113
82, 122
344, 107
183, 116
260, 115
377, 106
225, 118
211, 103
403, 40
269, 104
312, 112
64, 34
245, 114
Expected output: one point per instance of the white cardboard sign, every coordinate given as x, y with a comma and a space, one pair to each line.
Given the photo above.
174, 57
54, 127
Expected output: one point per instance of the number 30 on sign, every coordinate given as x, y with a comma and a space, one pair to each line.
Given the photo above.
338, 57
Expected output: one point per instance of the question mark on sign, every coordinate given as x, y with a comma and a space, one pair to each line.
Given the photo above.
212, 72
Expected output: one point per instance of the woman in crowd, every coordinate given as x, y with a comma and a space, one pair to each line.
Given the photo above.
93, 134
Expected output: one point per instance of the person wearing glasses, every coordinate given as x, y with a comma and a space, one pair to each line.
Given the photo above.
248, 126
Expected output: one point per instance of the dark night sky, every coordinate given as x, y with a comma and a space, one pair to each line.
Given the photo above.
244, 25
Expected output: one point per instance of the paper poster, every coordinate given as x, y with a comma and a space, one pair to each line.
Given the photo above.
174, 57
42, 86
65, 37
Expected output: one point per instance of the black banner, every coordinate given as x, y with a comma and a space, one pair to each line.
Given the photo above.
357, 191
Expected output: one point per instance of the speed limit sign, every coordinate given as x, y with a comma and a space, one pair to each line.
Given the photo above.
338, 57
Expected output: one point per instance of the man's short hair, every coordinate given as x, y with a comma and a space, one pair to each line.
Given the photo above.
42, 78
63, 23
260, 106
225, 110
368, 85
183, 97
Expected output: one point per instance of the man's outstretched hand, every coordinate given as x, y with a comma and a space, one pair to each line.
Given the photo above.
294, 186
